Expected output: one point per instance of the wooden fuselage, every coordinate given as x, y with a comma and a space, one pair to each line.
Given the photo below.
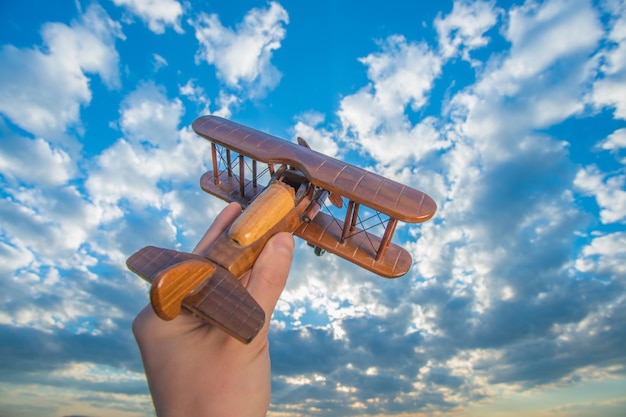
276, 209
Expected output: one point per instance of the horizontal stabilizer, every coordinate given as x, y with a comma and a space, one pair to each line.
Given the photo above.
149, 261
192, 283
224, 302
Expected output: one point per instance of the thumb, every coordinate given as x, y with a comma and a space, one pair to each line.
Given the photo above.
270, 271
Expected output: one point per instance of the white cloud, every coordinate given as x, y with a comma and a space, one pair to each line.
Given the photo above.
52, 222
242, 56
158, 14
542, 34
604, 255
47, 164
148, 116
545, 38
610, 89
463, 29
401, 76
43, 88
153, 170
615, 141
159, 62
196, 94
133, 174
14, 258
122, 172
608, 190
539, 82
226, 102
319, 139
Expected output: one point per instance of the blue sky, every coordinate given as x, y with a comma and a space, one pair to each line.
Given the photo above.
511, 115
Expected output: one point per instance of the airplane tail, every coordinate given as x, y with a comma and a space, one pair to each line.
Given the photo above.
191, 282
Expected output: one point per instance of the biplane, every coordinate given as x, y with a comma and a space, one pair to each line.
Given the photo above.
282, 186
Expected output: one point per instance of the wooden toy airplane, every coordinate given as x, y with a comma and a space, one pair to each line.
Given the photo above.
287, 193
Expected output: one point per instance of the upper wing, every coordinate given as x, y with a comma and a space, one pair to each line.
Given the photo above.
381, 194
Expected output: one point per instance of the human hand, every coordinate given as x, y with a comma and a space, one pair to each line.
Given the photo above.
194, 369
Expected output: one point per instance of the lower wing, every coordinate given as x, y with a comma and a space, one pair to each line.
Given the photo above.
325, 231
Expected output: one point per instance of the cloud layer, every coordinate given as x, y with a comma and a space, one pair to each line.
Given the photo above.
518, 283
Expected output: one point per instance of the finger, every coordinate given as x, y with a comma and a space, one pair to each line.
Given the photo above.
147, 327
142, 323
270, 271
221, 223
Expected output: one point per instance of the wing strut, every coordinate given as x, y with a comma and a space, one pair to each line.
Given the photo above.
229, 163
352, 214
216, 173
349, 225
254, 179
389, 231
242, 176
